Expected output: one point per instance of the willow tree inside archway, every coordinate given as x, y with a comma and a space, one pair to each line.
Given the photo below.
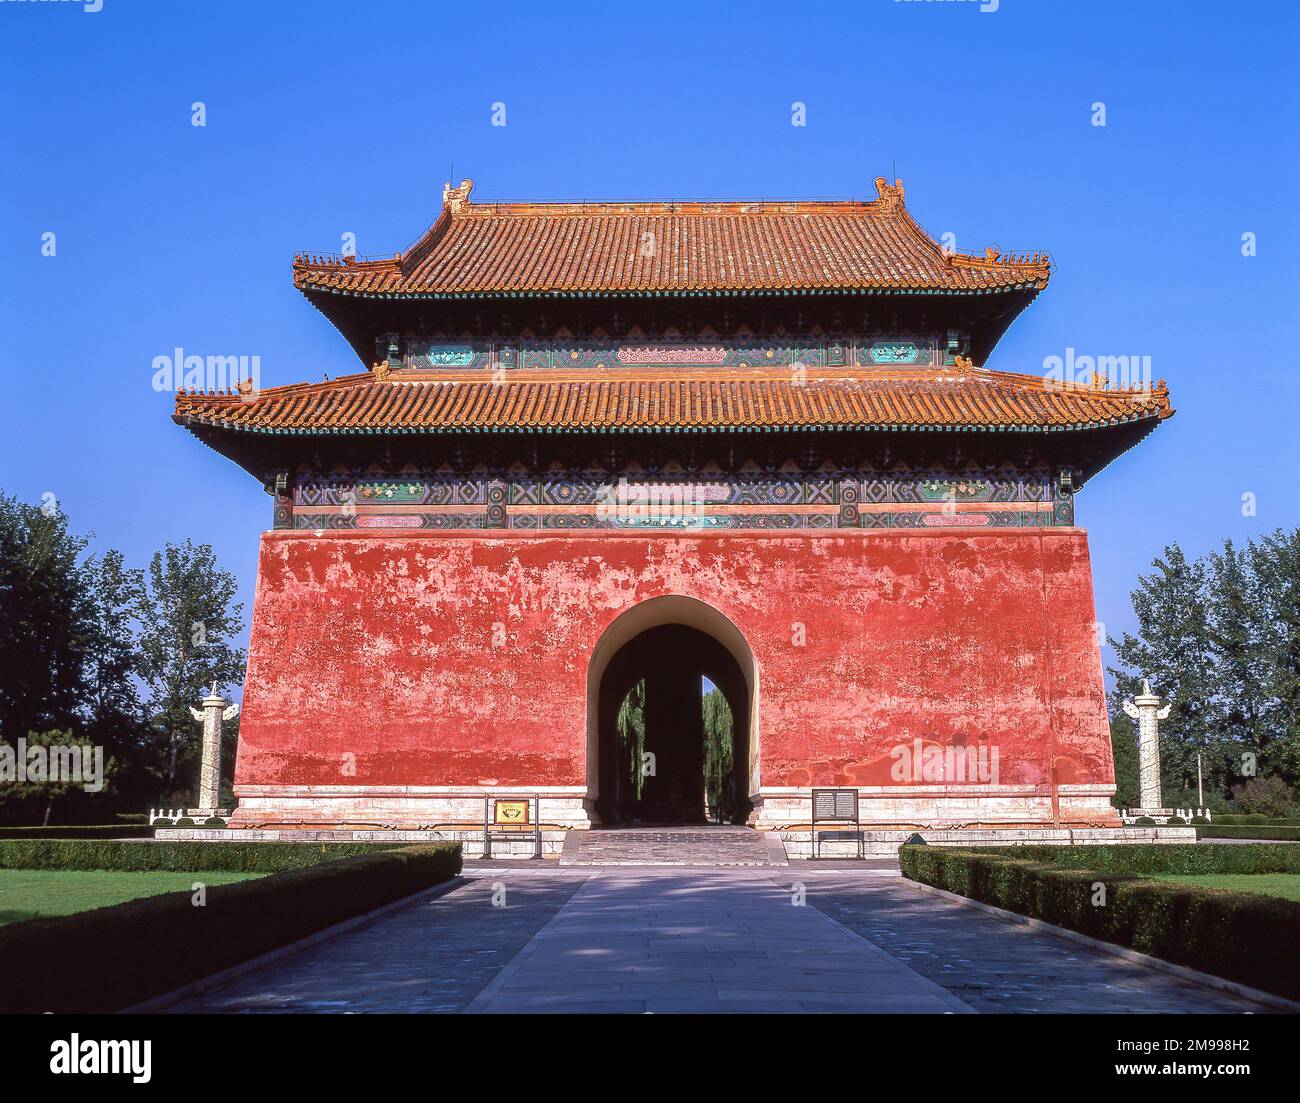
719, 734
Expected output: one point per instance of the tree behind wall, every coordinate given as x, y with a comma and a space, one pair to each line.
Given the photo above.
187, 617
1219, 637
44, 619
719, 742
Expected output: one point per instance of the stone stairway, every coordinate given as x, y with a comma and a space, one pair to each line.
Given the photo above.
673, 846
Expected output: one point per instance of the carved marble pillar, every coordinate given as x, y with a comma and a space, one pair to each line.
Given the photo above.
1146, 709
215, 709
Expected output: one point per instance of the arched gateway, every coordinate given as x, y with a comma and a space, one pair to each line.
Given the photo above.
484, 541
657, 751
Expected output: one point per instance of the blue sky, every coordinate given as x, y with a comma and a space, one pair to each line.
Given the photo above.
327, 117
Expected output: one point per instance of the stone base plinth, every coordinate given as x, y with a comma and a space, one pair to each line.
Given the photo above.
841, 842
471, 840
949, 806
395, 807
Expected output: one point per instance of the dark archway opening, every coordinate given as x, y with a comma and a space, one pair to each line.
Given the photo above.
673, 731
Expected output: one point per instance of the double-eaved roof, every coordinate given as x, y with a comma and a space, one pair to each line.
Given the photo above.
932, 399
683, 248
592, 250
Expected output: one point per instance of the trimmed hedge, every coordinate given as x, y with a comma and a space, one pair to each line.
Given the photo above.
1214, 831
1255, 819
243, 857
1237, 935
92, 831
110, 958
1144, 859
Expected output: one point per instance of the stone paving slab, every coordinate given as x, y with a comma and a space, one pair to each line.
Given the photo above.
760, 953
999, 966
431, 957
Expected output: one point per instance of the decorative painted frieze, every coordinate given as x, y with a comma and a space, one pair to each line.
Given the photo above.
636, 500
863, 350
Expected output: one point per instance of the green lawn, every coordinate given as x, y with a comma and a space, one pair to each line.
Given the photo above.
1285, 885
28, 893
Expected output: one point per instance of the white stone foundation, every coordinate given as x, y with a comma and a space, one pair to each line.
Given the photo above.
397, 807
948, 806
841, 842
471, 841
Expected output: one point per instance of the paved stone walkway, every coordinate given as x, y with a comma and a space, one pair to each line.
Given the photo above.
721, 940
691, 940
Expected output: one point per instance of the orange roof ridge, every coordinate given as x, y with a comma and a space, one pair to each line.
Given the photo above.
700, 246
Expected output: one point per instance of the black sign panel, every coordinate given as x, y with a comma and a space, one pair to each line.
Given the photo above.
835, 804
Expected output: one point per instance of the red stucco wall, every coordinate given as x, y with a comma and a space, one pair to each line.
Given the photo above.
461, 658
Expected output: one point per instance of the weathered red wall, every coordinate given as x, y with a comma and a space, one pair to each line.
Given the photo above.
382, 647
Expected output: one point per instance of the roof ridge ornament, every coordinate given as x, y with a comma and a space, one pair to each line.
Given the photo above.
456, 198
889, 198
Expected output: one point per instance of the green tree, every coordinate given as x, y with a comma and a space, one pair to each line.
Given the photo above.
188, 617
44, 619
1275, 564
1172, 647
1123, 745
1220, 637
112, 700
47, 767
719, 738
631, 736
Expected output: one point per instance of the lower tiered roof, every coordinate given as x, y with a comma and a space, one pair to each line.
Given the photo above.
933, 399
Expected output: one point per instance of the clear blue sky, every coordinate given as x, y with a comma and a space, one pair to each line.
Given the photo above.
329, 117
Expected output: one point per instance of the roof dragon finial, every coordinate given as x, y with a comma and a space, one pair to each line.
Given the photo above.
456, 198
889, 198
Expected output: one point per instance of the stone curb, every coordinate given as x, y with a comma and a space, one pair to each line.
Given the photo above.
216, 980
1195, 976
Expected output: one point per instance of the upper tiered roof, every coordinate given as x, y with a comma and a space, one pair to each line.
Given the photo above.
671, 248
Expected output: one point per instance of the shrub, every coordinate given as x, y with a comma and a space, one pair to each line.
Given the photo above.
186, 855
1215, 831
91, 831
110, 958
1199, 820
1144, 821
1175, 821
1212, 930
1147, 858
1269, 796
185, 821
214, 821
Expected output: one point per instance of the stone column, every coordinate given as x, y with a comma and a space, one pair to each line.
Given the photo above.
215, 709
1145, 708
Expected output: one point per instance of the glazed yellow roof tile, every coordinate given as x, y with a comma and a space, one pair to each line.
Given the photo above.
625, 401
670, 247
